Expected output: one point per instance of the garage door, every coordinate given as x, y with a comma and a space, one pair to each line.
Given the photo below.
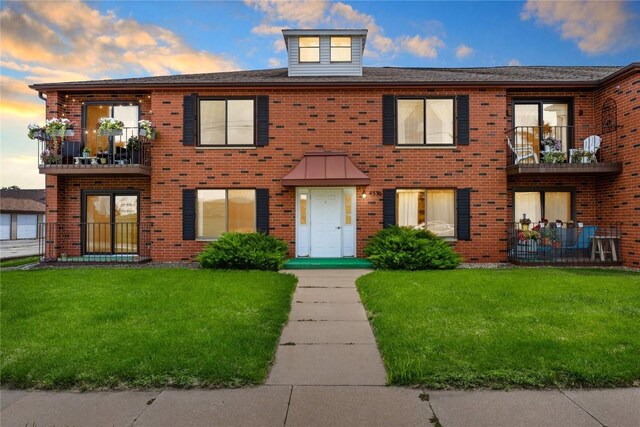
27, 226
5, 227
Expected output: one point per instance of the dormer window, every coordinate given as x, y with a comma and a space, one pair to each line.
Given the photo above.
340, 49
309, 49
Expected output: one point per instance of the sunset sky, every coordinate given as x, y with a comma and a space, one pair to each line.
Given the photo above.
47, 41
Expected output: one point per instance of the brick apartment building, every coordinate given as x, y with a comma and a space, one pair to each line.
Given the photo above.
326, 152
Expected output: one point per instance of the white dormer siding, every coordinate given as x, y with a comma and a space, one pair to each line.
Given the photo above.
325, 67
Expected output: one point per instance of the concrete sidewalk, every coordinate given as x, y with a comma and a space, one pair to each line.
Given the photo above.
327, 372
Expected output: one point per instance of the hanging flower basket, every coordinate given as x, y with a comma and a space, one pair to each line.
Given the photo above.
109, 126
147, 129
58, 128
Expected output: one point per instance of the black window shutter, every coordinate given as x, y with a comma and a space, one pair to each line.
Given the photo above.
188, 214
262, 121
189, 120
463, 204
462, 109
388, 119
262, 210
388, 207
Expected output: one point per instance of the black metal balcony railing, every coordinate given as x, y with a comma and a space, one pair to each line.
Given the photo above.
539, 144
96, 242
591, 244
102, 150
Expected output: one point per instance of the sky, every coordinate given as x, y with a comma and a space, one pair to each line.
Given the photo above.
50, 41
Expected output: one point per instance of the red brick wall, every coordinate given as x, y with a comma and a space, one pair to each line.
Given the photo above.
347, 119
330, 119
618, 197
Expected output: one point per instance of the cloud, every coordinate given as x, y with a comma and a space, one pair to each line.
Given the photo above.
18, 100
301, 12
514, 63
463, 51
274, 62
71, 36
419, 46
597, 26
22, 171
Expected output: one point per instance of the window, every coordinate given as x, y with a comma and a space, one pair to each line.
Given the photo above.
424, 121
221, 211
226, 122
129, 114
534, 120
551, 205
309, 48
434, 210
340, 49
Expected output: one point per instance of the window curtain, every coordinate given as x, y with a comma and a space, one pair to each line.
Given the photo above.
528, 203
557, 206
408, 208
439, 121
441, 212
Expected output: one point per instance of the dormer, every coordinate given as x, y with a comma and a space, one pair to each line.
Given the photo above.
325, 52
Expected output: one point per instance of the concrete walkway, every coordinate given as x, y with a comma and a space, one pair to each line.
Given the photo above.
327, 372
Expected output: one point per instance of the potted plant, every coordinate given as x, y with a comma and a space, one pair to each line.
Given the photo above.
110, 126
133, 147
103, 154
582, 156
545, 236
48, 157
524, 222
35, 131
147, 129
529, 238
60, 128
86, 153
553, 157
551, 144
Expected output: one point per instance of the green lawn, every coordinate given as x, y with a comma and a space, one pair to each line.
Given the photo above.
503, 328
133, 328
19, 261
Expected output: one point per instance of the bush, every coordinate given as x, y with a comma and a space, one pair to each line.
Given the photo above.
405, 248
244, 251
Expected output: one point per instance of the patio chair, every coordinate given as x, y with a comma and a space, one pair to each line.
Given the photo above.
592, 145
584, 239
523, 152
70, 149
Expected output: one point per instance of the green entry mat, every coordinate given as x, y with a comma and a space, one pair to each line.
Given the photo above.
326, 263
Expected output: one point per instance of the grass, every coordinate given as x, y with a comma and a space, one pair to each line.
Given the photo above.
137, 328
532, 328
19, 261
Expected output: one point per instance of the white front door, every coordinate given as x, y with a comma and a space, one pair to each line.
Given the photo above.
326, 223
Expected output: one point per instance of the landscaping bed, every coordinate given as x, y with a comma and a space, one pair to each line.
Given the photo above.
90, 328
532, 328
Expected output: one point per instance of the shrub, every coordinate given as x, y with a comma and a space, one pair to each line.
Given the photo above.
405, 248
244, 251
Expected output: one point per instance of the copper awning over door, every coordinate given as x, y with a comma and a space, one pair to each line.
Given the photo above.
325, 169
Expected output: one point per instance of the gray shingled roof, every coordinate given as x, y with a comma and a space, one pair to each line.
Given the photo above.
371, 75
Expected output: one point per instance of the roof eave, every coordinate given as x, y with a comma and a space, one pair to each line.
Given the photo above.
454, 84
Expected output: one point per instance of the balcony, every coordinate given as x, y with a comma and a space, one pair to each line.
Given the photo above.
88, 152
108, 242
589, 245
539, 150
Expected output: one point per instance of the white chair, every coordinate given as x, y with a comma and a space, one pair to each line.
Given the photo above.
523, 152
592, 145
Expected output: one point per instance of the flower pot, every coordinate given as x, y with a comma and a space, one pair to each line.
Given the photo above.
547, 149
86, 154
585, 160
109, 132
150, 136
69, 132
556, 244
103, 160
546, 241
525, 227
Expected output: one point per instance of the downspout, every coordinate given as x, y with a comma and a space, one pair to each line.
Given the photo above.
41, 96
